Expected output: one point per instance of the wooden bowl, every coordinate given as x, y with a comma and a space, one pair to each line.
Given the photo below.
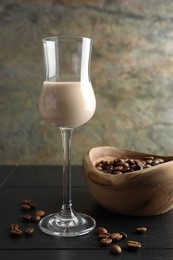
144, 192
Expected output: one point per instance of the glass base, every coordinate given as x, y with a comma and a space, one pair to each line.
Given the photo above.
54, 225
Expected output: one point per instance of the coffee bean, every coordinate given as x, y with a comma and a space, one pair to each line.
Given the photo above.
40, 213
26, 217
99, 167
29, 231
101, 230
14, 226
116, 236
35, 218
124, 235
141, 230
26, 206
104, 235
106, 241
149, 161
134, 245
118, 168
158, 161
116, 249
140, 165
16, 232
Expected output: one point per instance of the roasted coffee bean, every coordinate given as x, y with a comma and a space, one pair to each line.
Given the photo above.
14, 226
116, 236
158, 161
26, 217
16, 232
140, 165
106, 241
116, 249
35, 218
99, 167
100, 230
104, 235
118, 168
141, 230
149, 161
29, 231
26, 206
40, 213
134, 245
124, 235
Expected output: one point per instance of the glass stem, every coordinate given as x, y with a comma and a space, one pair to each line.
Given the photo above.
66, 210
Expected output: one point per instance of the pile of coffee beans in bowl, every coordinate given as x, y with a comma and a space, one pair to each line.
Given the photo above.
127, 165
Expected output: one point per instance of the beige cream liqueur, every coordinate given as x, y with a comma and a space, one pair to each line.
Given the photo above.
67, 104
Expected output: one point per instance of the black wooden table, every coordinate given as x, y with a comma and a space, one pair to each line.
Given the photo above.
43, 184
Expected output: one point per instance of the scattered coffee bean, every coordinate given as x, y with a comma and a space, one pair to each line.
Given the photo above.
141, 230
125, 165
116, 236
133, 245
14, 226
124, 235
35, 218
26, 217
29, 231
26, 206
104, 235
106, 241
116, 249
101, 230
40, 213
16, 232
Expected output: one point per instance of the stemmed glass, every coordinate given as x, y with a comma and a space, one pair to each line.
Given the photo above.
67, 101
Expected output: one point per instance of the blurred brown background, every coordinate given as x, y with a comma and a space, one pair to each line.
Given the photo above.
132, 75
